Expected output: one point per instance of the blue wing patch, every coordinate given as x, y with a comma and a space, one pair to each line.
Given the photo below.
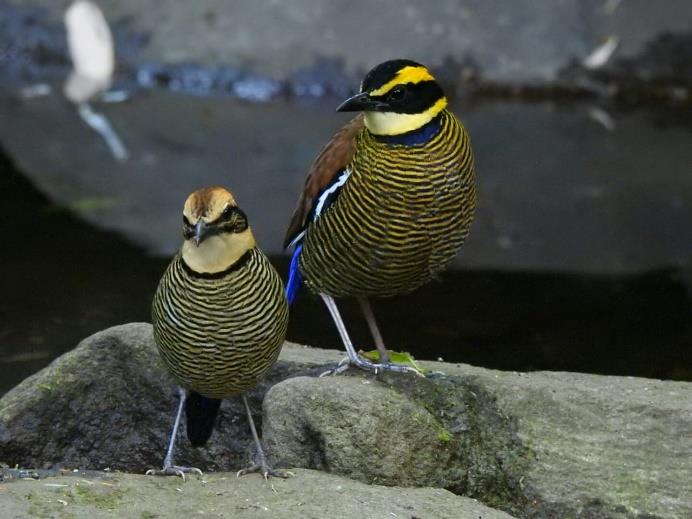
295, 278
325, 199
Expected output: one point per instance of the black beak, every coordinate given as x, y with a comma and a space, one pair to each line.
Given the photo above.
361, 103
202, 230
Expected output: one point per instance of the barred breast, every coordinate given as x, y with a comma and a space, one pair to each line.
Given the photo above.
400, 219
220, 334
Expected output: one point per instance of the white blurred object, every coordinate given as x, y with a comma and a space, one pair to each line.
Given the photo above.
91, 49
601, 54
602, 117
93, 59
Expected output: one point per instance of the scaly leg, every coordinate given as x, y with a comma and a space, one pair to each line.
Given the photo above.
353, 357
168, 468
374, 330
262, 467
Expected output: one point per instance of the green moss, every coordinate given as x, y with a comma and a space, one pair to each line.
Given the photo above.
631, 488
487, 458
105, 499
148, 515
444, 435
38, 507
38, 511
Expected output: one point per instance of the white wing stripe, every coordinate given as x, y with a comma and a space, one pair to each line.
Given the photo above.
330, 190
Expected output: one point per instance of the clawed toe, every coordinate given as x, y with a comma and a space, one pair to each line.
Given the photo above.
174, 470
266, 471
340, 368
373, 367
389, 366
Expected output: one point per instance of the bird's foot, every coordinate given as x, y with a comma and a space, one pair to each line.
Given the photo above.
340, 368
174, 470
263, 468
374, 367
395, 358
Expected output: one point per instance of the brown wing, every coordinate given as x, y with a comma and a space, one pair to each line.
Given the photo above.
333, 158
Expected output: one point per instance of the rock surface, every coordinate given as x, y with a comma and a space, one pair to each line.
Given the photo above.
191, 142
511, 39
595, 446
535, 445
110, 404
308, 495
439, 432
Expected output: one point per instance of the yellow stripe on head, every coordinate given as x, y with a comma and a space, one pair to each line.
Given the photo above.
408, 74
389, 123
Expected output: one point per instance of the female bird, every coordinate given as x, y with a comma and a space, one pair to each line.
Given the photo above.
220, 317
387, 202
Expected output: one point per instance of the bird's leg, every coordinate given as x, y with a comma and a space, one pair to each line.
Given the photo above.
353, 357
168, 468
374, 330
262, 467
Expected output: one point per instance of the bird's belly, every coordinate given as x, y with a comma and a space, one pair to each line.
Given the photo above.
217, 355
394, 250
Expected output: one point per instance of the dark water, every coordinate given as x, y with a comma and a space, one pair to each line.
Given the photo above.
63, 280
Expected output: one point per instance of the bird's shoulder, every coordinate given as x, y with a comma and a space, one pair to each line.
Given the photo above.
325, 170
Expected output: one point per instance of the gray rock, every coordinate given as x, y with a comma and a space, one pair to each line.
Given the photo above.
535, 445
595, 446
110, 403
308, 495
397, 430
512, 40
601, 446
310, 422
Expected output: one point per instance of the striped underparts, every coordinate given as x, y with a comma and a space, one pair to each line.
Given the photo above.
400, 218
219, 335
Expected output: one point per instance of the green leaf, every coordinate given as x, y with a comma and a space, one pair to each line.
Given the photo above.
397, 357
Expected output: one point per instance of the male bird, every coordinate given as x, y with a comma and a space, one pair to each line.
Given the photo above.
220, 317
388, 201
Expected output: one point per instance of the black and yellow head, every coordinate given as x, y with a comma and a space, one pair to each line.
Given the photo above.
215, 229
397, 96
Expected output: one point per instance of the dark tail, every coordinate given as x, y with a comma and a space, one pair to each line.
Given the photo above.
201, 414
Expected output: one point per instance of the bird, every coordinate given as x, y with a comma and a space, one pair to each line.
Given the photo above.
387, 202
220, 316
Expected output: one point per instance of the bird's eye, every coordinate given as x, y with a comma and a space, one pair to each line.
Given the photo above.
397, 94
227, 212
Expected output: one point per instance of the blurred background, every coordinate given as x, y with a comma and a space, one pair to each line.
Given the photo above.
580, 115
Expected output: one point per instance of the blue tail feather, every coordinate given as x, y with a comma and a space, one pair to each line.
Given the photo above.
295, 278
